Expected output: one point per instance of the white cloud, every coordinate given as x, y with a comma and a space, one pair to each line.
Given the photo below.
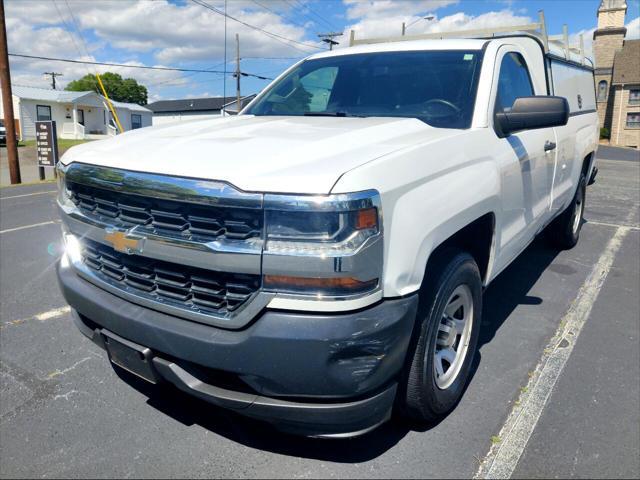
383, 8
375, 26
172, 30
633, 29
171, 33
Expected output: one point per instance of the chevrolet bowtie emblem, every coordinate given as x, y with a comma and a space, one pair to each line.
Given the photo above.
124, 242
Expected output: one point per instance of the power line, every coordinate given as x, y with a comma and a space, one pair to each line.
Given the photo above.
279, 15
271, 58
77, 26
145, 67
327, 22
68, 30
274, 36
87, 62
181, 77
301, 8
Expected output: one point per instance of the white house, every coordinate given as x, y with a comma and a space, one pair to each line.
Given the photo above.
78, 115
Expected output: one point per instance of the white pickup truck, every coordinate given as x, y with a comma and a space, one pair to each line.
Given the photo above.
318, 261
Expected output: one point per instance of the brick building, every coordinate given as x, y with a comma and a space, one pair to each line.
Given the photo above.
617, 75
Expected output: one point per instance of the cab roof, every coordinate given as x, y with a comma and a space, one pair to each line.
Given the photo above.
405, 46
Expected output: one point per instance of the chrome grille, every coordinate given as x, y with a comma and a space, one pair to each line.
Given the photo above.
188, 220
195, 289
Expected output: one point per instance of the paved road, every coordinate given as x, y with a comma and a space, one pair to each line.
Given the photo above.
65, 412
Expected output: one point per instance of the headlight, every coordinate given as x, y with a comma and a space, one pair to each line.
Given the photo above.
320, 233
323, 245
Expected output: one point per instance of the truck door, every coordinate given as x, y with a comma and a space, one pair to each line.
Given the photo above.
528, 160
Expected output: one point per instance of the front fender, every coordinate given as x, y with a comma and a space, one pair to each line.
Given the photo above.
426, 216
429, 192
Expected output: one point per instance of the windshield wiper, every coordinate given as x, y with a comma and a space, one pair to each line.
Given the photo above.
326, 114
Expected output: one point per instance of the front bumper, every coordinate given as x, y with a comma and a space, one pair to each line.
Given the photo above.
317, 374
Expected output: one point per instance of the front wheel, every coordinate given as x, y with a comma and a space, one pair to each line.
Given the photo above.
445, 337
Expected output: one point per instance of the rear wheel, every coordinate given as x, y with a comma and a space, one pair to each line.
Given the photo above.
564, 231
445, 337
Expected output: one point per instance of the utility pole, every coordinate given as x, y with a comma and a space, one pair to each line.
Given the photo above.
238, 72
53, 78
7, 102
329, 38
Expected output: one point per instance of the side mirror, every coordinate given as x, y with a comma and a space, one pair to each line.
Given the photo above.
528, 113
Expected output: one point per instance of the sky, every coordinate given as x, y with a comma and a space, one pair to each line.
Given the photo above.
274, 34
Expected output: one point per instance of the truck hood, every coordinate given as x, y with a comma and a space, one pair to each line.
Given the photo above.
266, 154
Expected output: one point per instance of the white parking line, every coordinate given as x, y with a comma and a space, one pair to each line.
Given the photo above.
42, 317
28, 194
613, 225
503, 456
29, 226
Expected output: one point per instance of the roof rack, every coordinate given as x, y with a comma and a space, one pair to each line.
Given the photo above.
538, 30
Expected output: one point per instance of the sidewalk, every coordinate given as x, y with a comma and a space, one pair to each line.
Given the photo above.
28, 166
28, 163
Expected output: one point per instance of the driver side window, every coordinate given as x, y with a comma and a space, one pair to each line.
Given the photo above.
514, 81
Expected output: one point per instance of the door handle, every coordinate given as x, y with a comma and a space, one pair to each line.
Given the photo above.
548, 146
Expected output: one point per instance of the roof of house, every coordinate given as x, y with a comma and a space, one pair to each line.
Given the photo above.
33, 93
626, 63
63, 96
134, 107
190, 104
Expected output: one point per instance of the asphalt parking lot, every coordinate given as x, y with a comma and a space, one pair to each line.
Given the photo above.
64, 411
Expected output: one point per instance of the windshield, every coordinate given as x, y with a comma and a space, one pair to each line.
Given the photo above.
437, 87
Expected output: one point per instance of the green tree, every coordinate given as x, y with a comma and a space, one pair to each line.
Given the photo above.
118, 88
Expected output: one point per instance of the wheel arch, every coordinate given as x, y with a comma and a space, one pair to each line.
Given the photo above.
477, 238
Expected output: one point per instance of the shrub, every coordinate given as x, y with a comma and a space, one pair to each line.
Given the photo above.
604, 133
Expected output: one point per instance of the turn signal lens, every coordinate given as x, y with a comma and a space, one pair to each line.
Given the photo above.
325, 286
367, 218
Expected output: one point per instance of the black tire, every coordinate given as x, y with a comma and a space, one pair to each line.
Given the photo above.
420, 397
564, 232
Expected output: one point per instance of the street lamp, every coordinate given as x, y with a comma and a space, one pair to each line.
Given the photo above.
428, 18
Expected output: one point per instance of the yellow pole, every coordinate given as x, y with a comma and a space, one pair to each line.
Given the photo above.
113, 110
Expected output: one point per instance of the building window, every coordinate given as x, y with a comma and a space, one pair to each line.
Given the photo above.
43, 113
136, 121
633, 120
634, 96
602, 90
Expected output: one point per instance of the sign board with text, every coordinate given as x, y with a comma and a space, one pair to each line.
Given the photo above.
46, 143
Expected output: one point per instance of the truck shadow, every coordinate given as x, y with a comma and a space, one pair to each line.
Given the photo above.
508, 291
